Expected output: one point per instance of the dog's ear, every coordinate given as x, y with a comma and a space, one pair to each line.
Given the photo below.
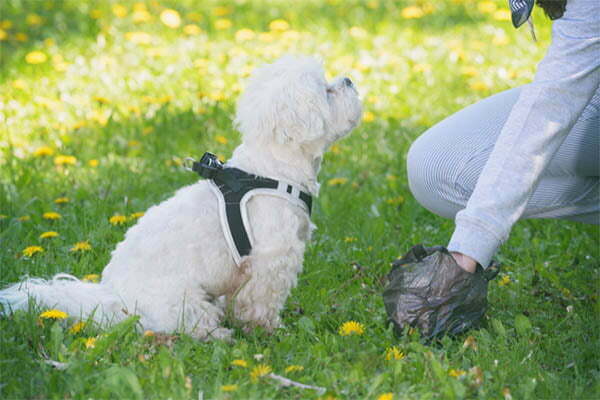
285, 102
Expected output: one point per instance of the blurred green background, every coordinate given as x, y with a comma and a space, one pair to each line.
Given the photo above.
101, 100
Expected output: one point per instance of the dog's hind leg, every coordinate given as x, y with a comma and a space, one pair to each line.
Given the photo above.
198, 316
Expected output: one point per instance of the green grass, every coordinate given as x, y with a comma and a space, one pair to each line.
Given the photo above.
138, 109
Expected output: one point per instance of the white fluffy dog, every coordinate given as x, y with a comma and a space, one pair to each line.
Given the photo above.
174, 266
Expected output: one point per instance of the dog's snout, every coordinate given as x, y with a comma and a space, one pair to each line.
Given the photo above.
348, 82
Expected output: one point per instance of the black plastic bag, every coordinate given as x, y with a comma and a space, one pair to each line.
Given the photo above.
428, 290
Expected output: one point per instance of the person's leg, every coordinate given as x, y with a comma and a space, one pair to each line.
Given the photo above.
445, 162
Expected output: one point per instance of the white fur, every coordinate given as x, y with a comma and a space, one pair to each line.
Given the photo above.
174, 265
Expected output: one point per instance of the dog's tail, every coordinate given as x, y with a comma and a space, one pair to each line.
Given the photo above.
65, 293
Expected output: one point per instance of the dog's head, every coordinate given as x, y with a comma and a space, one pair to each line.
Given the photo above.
290, 101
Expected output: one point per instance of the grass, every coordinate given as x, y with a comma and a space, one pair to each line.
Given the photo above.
129, 100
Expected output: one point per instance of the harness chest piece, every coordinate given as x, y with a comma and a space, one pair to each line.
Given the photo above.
233, 189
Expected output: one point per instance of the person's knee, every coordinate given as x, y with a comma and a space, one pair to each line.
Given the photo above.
430, 171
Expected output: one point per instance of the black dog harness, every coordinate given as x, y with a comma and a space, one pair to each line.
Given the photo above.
234, 188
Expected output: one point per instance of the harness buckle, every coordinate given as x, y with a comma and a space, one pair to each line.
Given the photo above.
208, 166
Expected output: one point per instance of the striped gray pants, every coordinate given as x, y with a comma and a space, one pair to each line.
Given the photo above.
445, 162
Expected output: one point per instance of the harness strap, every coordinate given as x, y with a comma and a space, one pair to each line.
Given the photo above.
234, 188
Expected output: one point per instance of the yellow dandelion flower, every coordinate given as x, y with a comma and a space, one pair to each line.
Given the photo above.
504, 281
81, 246
469, 71
244, 34
266, 37
456, 373
395, 201
48, 235
170, 18
337, 181
19, 84
93, 163
54, 314
393, 353
95, 14
486, 7
412, 12
239, 363
422, 68
386, 396
335, 149
368, 116
194, 16
192, 29
221, 139
31, 250
43, 151
229, 388
77, 327
149, 333
78, 125
479, 86
133, 143
34, 19
141, 16
279, 25
117, 220
351, 328
6, 24
36, 57
217, 96
139, 6
90, 343
137, 215
259, 371
22, 37
94, 278
24, 218
138, 37
221, 11
294, 368
350, 239
119, 10
62, 200
502, 15
3, 34
51, 215
470, 342
65, 160
223, 23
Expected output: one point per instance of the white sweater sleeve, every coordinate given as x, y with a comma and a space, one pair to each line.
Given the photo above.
545, 112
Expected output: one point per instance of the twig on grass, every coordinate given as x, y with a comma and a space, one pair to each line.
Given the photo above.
288, 382
57, 364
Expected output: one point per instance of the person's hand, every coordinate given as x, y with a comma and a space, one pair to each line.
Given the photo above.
430, 291
464, 261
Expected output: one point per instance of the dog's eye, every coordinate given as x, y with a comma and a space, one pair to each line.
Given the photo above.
330, 90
